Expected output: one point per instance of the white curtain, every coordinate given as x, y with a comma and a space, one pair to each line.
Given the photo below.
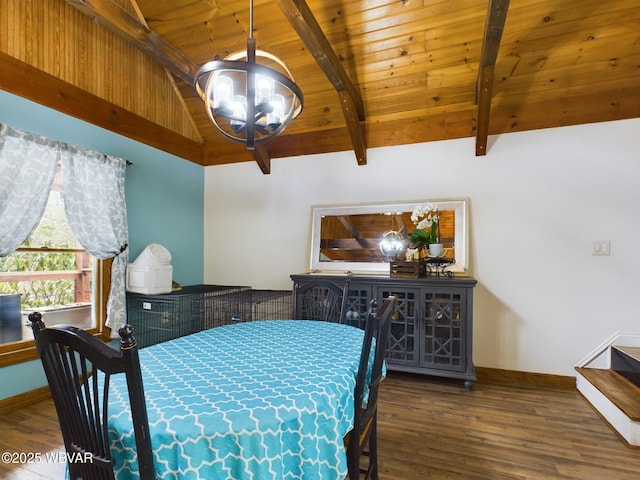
27, 169
94, 203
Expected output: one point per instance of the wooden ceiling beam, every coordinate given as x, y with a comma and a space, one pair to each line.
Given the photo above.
496, 16
348, 227
262, 158
27, 81
113, 17
304, 23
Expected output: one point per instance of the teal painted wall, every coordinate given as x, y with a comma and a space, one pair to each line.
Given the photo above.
165, 203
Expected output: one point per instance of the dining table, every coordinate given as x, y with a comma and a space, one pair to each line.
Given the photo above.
260, 400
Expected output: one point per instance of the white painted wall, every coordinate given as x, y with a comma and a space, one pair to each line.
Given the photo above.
538, 200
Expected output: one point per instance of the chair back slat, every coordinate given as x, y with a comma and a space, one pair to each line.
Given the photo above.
78, 367
320, 299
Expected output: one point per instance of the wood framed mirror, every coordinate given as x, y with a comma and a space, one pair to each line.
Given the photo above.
346, 238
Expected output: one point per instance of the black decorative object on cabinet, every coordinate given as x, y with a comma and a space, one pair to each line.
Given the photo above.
432, 329
437, 267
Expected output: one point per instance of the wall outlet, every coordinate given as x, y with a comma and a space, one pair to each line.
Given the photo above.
601, 247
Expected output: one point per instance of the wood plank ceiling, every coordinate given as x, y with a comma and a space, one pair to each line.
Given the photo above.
373, 72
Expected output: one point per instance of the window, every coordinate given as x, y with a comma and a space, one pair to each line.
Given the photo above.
53, 274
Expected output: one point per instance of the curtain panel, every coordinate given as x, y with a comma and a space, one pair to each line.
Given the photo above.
27, 169
95, 207
94, 202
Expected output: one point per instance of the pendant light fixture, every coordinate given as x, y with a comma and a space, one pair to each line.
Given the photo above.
249, 102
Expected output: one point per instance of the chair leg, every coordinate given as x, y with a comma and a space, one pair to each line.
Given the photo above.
74, 470
373, 448
353, 462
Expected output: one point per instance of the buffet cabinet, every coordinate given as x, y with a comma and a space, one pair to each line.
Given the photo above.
432, 328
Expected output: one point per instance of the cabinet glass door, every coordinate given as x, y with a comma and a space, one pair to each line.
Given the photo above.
444, 339
403, 336
358, 304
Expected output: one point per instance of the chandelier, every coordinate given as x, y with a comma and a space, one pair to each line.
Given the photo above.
392, 242
249, 102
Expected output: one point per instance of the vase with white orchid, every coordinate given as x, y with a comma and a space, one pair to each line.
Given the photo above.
426, 219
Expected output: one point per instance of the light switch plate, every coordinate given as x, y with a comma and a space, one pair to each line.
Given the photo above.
601, 247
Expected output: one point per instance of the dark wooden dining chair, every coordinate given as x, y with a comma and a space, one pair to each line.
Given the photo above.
320, 299
71, 359
362, 439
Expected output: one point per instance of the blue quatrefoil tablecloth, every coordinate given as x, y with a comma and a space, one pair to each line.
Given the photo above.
259, 400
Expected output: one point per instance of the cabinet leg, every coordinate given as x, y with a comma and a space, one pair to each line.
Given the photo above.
468, 385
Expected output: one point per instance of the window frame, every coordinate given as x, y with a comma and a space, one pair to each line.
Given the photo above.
25, 350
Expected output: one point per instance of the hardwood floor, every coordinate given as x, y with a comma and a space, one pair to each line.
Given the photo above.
31, 431
431, 429
436, 430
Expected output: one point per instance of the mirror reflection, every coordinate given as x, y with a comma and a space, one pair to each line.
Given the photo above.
349, 237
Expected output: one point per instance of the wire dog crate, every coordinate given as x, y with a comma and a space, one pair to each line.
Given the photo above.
158, 318
271, 304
